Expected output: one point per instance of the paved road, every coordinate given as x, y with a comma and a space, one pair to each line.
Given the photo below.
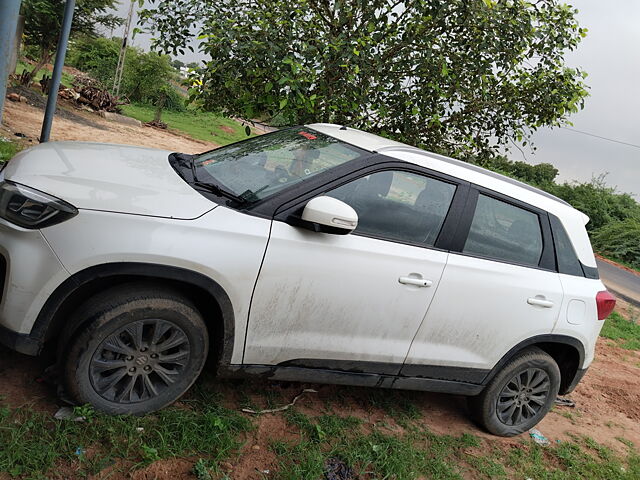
621, 282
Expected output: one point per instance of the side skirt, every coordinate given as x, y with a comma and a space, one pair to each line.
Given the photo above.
336, 377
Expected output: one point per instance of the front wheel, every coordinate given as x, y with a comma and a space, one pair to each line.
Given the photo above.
138, 350
519, 396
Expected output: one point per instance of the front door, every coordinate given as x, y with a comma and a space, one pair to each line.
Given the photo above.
348, 301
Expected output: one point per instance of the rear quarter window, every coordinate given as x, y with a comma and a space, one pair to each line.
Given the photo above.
566, 257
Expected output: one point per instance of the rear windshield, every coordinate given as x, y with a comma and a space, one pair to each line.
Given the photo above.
261, 166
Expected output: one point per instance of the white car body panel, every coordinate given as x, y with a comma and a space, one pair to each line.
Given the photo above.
116, 178
365, 140
481, 303
579, 313
338, 297
224, 245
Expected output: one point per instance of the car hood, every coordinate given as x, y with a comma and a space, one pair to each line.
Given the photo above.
115, 178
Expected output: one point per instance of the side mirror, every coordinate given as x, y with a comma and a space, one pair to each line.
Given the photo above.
330, 215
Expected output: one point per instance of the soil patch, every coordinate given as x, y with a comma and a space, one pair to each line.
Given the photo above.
64, 109
226, 129
27, 120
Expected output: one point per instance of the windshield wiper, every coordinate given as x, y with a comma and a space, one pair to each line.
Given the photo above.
212, 187
217, 190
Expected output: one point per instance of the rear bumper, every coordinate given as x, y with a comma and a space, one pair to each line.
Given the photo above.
580, 373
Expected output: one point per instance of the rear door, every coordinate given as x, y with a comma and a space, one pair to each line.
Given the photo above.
353, 302
499, 288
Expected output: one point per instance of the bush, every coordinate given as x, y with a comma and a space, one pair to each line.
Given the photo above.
147, 76
601, 203
620, 240
97, 57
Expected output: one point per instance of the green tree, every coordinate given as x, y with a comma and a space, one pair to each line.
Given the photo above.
148, 77
464, 77
177, 64
43, 21
541, 175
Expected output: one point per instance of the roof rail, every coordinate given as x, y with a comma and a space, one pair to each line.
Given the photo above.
472, 167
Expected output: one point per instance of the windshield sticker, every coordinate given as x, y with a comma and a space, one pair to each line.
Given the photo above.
307, 135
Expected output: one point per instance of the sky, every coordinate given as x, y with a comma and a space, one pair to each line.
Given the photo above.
610, 54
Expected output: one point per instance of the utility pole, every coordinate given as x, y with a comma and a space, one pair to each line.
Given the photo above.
61, 53
9, 11
123, 52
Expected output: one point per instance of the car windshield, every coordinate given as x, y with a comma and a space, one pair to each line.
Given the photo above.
261, 166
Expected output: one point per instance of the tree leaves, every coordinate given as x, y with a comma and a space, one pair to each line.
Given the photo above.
462, 77
43, 20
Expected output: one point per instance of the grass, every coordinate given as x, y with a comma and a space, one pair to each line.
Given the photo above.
197, 124
8, 149
377, 454
626, 333
65, 79
31, 443
582, 458
396, 404
419, 453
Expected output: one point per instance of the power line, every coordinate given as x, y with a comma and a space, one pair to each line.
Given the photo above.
602, 138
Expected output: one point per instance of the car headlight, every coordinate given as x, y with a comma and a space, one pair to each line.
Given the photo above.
31, 208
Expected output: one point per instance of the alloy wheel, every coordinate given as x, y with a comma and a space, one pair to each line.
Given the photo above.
523, 397
139, 361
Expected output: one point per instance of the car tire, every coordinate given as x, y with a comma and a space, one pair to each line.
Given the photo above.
137, 349
519, 396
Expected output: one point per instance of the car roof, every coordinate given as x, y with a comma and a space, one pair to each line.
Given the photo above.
457, 168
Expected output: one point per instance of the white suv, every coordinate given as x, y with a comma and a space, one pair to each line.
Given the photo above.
319, 253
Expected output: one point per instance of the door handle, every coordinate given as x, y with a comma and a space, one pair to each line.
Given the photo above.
418, 282
540, 302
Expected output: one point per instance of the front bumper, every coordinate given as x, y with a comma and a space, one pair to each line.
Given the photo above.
20, 342
30, 274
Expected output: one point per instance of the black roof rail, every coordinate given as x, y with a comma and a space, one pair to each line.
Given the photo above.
471, 166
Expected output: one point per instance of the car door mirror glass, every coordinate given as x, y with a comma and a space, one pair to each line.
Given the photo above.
330, 214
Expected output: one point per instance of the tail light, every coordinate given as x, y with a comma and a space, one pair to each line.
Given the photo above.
606, 303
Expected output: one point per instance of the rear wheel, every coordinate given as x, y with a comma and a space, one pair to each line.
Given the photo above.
519, 396
138, 349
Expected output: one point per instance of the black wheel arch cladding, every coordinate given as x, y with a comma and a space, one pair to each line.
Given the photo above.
207, 295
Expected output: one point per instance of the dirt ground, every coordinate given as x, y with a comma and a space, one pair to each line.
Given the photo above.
71, 123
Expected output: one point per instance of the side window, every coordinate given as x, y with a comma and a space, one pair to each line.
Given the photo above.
504, 232
565, 254
398, 205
